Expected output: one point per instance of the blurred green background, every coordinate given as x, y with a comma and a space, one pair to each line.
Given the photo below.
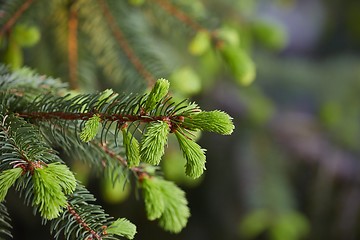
291, 168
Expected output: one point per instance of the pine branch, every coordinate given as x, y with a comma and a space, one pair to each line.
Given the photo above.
123, 43
12, 20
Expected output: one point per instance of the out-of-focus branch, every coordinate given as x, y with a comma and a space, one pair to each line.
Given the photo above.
73, 46
125, 46
187, 20
16, 16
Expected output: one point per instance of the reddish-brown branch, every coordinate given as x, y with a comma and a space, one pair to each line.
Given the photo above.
73, 46
82, 223
187, 20
125, 46
113, 154
86, 116
138, 171
16, 16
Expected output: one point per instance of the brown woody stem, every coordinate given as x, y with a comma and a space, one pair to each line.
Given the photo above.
82, 223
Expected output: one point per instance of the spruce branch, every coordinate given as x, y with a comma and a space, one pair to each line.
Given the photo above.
30, 123
155, 110
82, 223
85, 220
124, 44
139, 170
23, 150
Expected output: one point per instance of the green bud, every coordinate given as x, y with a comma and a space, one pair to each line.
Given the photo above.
153, 142
123, 228
229, 35
240, 64
213, 121
26, 36
194, 155
270, 34
200, 43
7, 179
131, 145
157, 93
91, 128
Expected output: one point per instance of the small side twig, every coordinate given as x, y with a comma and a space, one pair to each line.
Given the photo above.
82, 223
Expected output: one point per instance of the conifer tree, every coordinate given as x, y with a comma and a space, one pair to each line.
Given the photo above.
123, 131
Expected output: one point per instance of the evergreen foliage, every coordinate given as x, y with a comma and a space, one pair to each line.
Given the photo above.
122, 227
91, 128
153, 143
132, 149
7, 179
123, 132
166, 202
195, 156
34, 120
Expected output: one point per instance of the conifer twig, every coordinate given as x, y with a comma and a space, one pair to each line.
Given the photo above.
138, 171
129, 52
103, 116
15, 17
112, 154
82, 223
73, 45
